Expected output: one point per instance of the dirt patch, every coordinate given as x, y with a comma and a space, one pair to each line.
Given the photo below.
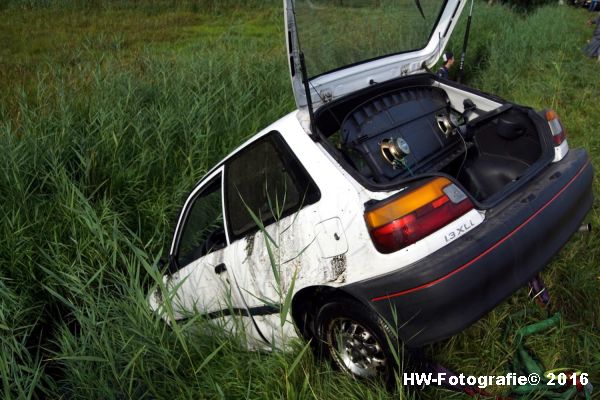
338, 264
249, 245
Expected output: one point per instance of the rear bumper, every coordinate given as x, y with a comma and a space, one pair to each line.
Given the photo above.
455, 286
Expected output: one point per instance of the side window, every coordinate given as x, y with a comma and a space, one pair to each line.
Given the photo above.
267, 178
203, 230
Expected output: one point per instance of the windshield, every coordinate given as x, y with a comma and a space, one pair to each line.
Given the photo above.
337, 33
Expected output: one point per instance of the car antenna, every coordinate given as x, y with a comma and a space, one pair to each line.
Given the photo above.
465, 42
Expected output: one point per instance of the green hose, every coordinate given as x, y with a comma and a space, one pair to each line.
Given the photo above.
538, 327
525, 364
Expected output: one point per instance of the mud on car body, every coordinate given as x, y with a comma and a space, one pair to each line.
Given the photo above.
391, 202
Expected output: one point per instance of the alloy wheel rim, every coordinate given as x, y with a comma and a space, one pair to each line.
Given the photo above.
356, 348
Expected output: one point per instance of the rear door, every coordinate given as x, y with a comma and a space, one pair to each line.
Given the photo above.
265, 182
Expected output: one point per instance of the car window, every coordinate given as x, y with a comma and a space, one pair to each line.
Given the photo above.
267, 178
203, 231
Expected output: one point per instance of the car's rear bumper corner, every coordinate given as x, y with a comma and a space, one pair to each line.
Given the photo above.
452, 288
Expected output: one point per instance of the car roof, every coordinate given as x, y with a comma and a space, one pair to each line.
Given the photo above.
279, 125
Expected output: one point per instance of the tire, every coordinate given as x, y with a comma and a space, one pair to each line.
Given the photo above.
357, 341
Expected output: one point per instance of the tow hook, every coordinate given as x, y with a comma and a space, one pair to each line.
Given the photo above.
585, 228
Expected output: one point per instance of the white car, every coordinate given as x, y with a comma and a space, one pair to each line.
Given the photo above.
390, 202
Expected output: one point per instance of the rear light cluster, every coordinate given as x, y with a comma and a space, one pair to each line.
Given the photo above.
558, 131
415, 214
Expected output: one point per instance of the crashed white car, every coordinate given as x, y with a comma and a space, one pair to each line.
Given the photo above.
390, 202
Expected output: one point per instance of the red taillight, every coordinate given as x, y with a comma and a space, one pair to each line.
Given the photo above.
558, 131
558, 139
445, 203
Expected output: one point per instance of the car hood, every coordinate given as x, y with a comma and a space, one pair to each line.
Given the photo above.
350, 44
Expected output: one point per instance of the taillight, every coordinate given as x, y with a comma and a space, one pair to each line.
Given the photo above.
558, 131
415, 214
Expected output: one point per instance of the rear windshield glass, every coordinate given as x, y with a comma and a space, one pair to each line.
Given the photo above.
336, 33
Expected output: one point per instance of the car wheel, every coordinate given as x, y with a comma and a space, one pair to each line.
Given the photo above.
356, 340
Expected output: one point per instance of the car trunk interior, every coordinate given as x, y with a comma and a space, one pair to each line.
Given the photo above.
417, 126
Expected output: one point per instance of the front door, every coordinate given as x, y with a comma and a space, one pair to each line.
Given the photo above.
201, 280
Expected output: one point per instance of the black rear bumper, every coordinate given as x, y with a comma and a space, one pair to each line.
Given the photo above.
455, 286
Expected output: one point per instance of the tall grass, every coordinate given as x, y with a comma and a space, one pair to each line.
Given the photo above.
195, 5
98, 153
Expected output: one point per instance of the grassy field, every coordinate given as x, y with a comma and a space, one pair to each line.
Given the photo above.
110, 111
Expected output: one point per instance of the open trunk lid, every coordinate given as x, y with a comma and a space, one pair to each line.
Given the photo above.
348, 45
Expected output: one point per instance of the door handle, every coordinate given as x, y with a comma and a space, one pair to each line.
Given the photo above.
219, 269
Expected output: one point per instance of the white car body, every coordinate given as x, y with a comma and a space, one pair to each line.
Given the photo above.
307, 247
323, 247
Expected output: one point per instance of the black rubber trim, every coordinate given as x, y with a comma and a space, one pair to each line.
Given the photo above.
242, 312
250, 312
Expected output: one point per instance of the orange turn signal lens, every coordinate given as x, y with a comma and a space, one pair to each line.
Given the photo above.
411, 215
408, 203
558, 131
550, 115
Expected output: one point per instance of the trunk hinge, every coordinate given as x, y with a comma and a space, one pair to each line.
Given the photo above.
311, 116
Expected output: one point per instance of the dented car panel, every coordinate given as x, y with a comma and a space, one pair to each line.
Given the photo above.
325, 244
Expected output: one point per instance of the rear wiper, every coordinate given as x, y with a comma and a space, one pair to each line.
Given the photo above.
418, 2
